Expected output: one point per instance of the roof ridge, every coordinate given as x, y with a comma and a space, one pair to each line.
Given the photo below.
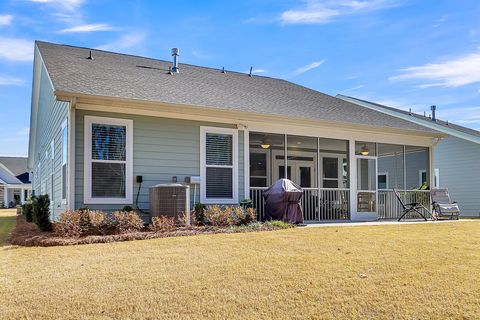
155, 59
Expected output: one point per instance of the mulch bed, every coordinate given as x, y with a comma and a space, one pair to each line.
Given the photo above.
28, 235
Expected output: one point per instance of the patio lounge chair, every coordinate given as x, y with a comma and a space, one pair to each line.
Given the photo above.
412, 207
442, 204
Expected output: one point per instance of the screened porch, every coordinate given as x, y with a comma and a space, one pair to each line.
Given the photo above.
321, 166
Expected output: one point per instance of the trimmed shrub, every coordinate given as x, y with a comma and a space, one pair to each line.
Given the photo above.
162, 223
229, 215
68, 224
126, 221
93, 222
28, 211
2, 205
217, 216
41, 212
82, 223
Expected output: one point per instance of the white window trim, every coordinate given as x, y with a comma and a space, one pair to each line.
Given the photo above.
203, 166
64, 200
88, 199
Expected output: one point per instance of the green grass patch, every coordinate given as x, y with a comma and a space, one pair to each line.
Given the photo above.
7, 223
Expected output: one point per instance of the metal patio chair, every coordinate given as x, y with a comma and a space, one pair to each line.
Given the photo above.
412, 207
443, 206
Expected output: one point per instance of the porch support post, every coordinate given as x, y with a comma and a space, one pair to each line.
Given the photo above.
5, 196
246, 162
22, 196
285, 141
353, 179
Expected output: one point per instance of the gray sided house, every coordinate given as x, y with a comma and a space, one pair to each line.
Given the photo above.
456, 164
100, 120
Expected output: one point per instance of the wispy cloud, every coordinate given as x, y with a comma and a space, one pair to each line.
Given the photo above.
15, 49
256, 71
69, 5
318, 12
24, 132
126, 41
5, 19
355, 88
10, 81
88, 28
308, 67
453, 73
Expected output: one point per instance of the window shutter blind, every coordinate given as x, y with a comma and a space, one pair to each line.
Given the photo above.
219, 165
109, 142
109, 161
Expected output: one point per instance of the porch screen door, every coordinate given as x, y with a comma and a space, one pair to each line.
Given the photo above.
366, 184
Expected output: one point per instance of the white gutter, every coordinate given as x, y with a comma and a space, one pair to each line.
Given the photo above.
425, 123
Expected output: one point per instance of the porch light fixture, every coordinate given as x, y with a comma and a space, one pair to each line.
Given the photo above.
364, 151
265, 145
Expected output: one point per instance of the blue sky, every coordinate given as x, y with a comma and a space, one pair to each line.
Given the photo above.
404, 53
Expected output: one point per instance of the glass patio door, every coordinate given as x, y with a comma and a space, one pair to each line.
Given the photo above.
366, 184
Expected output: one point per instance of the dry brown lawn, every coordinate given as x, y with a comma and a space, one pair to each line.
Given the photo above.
423, 271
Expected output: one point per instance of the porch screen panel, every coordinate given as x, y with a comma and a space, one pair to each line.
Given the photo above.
417, 161
302, 160
390, 166
219, 165
267, 158
334, 163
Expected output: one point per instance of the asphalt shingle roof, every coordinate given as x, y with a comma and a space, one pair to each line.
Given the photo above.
132, 77
438, 121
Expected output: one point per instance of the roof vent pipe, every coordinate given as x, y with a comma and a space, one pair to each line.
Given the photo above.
434, 108
175, 54
250, 74
223, 70
90, 57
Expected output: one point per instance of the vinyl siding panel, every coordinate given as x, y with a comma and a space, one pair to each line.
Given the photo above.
51, 115
162, 148
458, 161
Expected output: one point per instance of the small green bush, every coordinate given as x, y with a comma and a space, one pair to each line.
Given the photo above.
279, 224
28, 211
246, 203
199, 214
127, 209
2, 205
41, 212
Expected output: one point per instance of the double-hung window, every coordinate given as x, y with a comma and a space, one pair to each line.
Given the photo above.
64, 160
108, 160
219, 165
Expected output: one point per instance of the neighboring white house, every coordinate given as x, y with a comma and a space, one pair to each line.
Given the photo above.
456, 158
15, 186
